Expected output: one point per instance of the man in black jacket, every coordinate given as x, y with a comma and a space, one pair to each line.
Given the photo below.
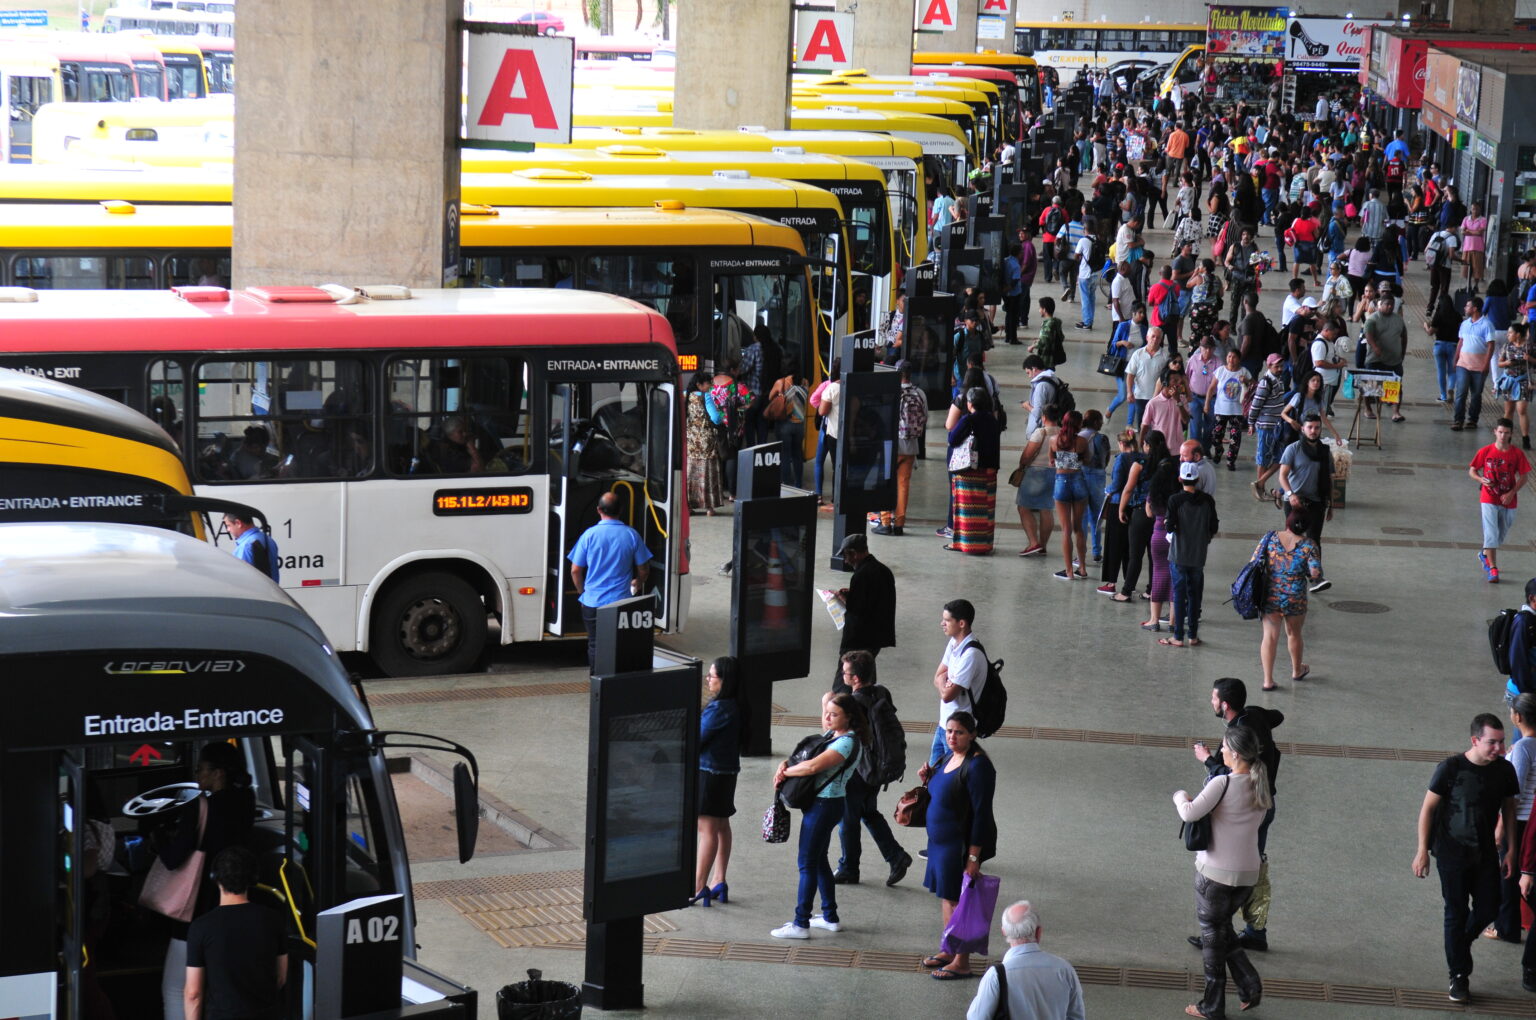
860, 808
869, 604
1229, 700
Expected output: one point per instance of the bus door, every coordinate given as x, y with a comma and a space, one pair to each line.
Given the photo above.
21, 95
612, 427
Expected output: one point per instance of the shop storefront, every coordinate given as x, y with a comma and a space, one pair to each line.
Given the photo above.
1392, 71
1472, 126
1245, 53
1322, 58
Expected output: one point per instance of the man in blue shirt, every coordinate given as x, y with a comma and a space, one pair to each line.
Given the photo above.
253, 545
609, 562
1397, 147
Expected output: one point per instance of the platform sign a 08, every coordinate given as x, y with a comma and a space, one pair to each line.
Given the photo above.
519, 87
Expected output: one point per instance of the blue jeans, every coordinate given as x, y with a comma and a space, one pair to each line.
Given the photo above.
1468, 383
1199, 423
1271, 196
1120, 398
1188, 592
940, 746
792, 459
816, 827
1091, 523
826, 447
1138, 408
1445, 366
1086, 288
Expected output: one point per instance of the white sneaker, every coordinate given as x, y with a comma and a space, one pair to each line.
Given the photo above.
821, 922
792, 931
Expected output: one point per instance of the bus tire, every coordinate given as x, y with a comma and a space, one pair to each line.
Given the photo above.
428, 624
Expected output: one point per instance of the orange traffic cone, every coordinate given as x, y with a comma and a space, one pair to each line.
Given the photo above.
775, 598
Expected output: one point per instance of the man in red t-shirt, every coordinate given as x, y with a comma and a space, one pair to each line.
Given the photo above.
1499, 470
1165, 293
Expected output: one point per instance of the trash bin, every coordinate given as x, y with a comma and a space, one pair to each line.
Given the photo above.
537, 999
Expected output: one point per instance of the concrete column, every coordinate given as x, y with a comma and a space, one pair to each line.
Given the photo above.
346, 151
961, 40
882, 37
1494, 16
733, 64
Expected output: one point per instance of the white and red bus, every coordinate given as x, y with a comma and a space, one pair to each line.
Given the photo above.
425, 463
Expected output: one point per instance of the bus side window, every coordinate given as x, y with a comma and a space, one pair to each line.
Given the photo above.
134, 272
458, 416
514, 271
313, 417
167, 396
664, 284
197, 271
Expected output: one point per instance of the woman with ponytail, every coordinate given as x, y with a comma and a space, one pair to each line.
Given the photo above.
1069, 450
1226, 872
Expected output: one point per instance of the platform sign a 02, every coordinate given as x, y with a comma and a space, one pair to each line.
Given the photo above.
519, 87
823, 41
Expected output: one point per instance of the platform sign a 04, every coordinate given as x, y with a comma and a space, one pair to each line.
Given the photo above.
519, 87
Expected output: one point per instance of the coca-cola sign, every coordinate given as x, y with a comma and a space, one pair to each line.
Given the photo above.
1316, 41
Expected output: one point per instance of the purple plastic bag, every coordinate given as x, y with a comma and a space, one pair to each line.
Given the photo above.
970, 926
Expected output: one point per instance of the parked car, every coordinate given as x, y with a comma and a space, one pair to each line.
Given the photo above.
548, 24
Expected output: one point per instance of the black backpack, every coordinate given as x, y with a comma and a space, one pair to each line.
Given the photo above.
992, 707
1501, 629
1064, 400
799, 792
887, 761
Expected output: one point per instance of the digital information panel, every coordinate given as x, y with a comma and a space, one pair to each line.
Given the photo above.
772, 591
866, 466
516, 499
642, 792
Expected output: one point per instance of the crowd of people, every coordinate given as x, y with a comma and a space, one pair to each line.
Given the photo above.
1198, 368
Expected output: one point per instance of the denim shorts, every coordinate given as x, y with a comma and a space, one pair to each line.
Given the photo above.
1269, 445
1037, 490
1071, 487
1497, 520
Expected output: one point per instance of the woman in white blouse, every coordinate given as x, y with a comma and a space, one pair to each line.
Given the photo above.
1226, 871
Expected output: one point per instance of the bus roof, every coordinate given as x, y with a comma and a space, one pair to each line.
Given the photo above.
1149, 26
42, 227
557, 186
33, 398
986, 58
846, 143
631, 158
66, 321
73, 588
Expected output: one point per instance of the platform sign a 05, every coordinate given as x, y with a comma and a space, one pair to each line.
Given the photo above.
519, 87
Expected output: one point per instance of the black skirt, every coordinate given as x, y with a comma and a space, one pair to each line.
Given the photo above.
717, 794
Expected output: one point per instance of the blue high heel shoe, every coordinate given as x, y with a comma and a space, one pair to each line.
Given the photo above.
702, 896
721, 892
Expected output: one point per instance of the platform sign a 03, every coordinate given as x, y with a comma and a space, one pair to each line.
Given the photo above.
519, 87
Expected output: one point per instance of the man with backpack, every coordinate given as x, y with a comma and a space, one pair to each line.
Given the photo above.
962, 673
1513, 637
1438, 253
878, 766
1163, 305
1044, 389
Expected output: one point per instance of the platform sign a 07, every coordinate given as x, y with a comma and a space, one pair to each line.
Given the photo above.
519, 87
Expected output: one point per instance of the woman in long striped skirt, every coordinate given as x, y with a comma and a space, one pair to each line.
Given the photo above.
974, 486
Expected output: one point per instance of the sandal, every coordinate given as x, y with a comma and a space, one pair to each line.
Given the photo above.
1193, 1010
1271, 687
1398, 417
1171, 642
952, 548
936, 960
1195, 642
952, 975
1306, 671
1119, 598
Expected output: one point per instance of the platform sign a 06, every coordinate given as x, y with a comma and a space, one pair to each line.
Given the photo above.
519, 87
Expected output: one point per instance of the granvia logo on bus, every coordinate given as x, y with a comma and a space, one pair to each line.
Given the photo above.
162, 667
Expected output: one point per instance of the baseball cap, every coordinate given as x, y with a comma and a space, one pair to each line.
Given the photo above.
853, 543
1273, 359
1189, 471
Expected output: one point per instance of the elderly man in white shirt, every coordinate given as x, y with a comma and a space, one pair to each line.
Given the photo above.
1038, 985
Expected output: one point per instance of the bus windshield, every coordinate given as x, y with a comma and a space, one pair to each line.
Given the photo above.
161, 682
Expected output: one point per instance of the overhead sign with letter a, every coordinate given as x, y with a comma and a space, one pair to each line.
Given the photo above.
823, 40
937, 15
519, 87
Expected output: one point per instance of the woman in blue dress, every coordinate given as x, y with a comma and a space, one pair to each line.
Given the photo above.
961, 830
844, 722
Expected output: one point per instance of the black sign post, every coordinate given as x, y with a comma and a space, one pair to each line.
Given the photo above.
626, 636
642, 811
358, 953
772, 601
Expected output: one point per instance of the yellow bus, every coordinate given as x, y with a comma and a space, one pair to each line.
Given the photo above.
858, 187
1073, 46
1185, 73
975, 128
897, 158
186, 76
985, 97
708, 271
1025, 70
29, 79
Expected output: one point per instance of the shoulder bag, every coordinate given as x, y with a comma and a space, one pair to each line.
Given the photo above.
776, 823
965, 457
912, 808
1197, 834
1251, 586
174, 893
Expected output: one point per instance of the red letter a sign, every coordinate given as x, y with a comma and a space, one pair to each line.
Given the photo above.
994, 7
937, 16
824, 42
503, 101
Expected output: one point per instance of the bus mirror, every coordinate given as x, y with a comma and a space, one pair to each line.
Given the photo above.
175, 505
466, 810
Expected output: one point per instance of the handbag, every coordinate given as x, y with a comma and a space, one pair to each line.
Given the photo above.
965, 456
776, 823
1197, 834
970, 926
912, 808
1016, 477
174, 893
1111, 365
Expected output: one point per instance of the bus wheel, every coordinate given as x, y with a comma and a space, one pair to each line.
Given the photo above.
431, 623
